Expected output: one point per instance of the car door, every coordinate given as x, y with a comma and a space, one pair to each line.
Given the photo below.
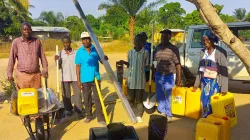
193, 49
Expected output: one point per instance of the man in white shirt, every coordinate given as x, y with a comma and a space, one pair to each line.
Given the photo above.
69, 79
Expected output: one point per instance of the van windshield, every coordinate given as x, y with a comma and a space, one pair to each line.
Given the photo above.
243, 33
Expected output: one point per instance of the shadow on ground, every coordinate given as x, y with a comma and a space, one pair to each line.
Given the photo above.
184, 128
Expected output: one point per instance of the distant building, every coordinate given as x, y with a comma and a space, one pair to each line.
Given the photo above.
177, 36
49, 32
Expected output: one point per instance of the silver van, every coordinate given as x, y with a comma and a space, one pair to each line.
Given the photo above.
190, 51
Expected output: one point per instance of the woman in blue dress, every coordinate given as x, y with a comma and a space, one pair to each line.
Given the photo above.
212, 74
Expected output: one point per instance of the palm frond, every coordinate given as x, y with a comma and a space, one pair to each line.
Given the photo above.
132, 6
105, 6
115, 2
153, 4
240, 14
31, 6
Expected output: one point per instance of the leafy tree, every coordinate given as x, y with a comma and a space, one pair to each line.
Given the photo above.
5, 18
219, 8
75, 25
50, 18
14, 28
145, 17
240, 14
226, 18
248, 17
171, 15
19, 8
116, 16
95, 23
193, 18
36, 22
18, 11
132, 8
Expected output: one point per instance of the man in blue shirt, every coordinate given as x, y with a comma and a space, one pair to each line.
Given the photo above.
87, 69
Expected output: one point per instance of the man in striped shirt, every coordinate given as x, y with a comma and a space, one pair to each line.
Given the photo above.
137, 61
168, 63
27, 50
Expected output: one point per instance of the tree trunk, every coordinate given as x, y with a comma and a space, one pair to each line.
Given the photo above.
210, 16
131, 29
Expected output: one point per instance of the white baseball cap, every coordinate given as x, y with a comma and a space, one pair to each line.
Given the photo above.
85, 34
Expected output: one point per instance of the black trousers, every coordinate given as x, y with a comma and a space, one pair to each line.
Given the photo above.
66, 94
135, 98
147, 74
88, 88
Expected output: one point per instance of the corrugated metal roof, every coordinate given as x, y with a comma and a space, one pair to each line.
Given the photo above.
232, 24
49, 29
176, 30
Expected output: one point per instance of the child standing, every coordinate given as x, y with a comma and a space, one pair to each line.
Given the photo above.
136, 81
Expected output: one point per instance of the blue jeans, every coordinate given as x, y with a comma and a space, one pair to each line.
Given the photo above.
164, 83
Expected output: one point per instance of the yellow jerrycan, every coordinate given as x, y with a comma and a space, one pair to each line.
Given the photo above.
124, 87
224, 106
226, 125
179, 100
27, 101
193, 103
207, 129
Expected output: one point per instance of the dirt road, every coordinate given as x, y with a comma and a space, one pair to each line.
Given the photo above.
181, 128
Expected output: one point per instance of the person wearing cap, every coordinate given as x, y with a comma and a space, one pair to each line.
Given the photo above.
147, 46
67, 65
168, 63
87, 69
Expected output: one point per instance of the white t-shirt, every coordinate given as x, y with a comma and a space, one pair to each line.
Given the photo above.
208, 61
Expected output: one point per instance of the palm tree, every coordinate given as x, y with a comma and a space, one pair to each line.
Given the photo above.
51, 18
132, 8
20, 8
248, 17
240, 14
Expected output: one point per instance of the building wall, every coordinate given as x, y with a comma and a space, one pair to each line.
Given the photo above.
178, 36
47, 35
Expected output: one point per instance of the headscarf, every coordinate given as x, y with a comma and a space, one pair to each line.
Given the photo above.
210, 36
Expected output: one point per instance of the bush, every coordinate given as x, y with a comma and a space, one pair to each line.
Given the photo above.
7, 87
5, 47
